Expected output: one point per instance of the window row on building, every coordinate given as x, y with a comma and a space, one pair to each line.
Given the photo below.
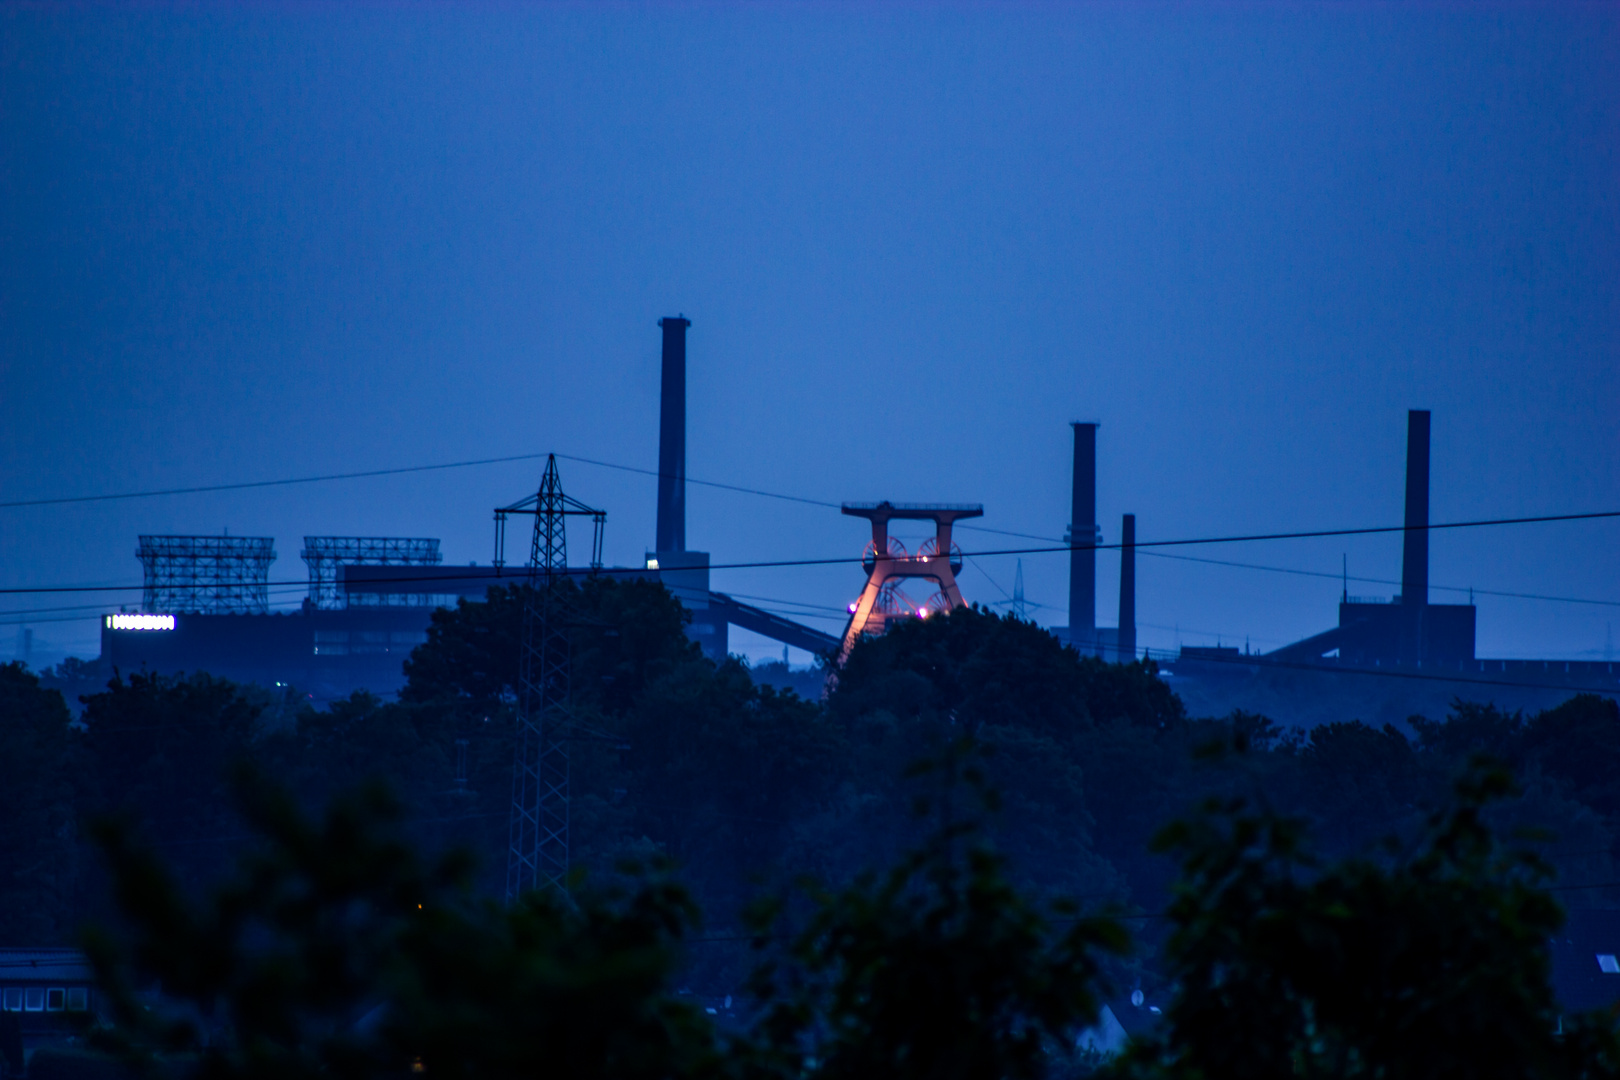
45, 999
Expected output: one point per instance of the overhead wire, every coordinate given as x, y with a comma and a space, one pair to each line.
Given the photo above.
32, 616
400, 470
280, 589
284, 482
1327, 574
1218, 635
778, 600
986, 575
1381, 581
807, 612
1144, 546
704, 483
844, 560
247, 484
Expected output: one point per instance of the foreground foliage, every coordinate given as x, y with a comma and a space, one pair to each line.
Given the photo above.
1274, 957
744, 787
1428, 963
338, 950
938, 967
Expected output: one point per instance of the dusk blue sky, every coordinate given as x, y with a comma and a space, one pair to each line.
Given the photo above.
914, 241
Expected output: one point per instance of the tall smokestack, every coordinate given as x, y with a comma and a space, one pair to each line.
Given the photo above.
1082, 537
671, 534
1415, 552
1127, 589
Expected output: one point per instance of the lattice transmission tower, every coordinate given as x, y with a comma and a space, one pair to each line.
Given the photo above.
538, 854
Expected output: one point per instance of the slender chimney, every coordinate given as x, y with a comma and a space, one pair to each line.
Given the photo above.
1415, 551
1082, 537
1127, 589
671, 534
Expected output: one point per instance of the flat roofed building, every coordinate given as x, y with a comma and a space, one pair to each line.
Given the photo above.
45, 996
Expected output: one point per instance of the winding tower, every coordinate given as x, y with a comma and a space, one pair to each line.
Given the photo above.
887, 564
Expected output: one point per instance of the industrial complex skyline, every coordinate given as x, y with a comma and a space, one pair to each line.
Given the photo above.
910, 257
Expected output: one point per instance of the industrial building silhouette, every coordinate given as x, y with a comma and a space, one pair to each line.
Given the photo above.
370, 598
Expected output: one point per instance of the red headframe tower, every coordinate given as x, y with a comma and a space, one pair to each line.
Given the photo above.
887, 564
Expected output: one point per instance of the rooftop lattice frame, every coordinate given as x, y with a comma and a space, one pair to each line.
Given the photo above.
325, 554
213, 575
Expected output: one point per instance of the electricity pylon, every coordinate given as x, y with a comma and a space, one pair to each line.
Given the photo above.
1020, 606
537, 856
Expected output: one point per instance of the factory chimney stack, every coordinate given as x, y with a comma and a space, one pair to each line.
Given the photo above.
1082, 541
1127, 590
1415, 549
671, 530
1415, 552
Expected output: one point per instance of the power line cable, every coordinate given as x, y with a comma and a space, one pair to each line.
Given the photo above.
1005, 532
704, 483
832, 505
1380, 581
288, 481
792, 603
986, 575
1308, 574
282, 592
844, 560
244, 485
1218, 635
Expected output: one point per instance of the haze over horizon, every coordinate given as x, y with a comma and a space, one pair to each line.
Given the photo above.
267, 241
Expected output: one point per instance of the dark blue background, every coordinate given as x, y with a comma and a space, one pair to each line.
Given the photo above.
271, 241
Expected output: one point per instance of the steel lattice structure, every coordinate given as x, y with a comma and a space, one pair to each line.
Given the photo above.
887, 564
213, 575
325, 554
538, 854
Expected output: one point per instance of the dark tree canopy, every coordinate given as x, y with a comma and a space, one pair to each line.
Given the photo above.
625, 634
158, 750
336, 949
37, 860
737, 790
1434, 965
983, 668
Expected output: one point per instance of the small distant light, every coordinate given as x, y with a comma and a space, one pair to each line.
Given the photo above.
652, 564
852, 609
923, 614
140, 622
